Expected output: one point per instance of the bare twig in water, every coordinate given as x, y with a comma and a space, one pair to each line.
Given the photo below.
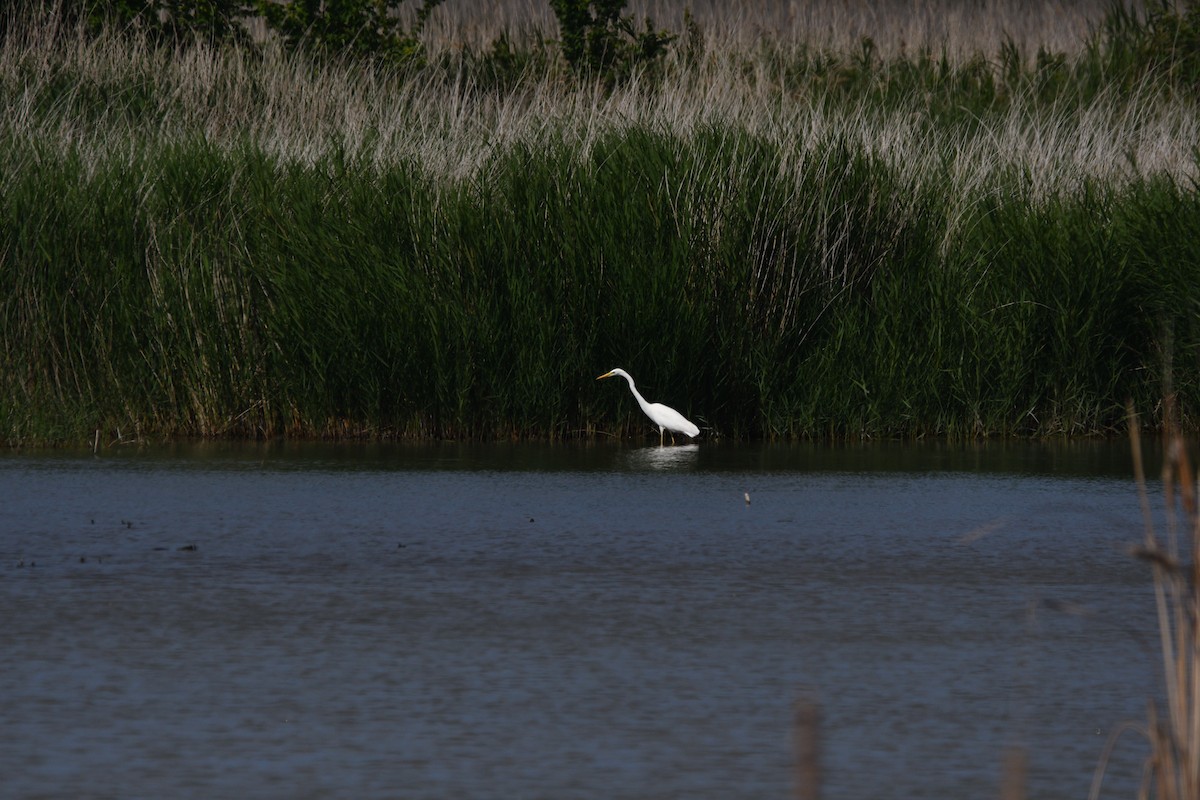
806, 736
1016, 767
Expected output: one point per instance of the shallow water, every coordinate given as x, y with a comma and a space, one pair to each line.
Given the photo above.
568, 621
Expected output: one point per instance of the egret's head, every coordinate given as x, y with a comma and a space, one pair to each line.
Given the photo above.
617, 371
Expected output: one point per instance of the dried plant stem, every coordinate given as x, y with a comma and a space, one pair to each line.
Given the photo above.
1175, 741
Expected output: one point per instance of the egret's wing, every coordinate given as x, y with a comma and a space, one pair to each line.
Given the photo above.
672, 420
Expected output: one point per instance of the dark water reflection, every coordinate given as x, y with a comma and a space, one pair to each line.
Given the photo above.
567, 621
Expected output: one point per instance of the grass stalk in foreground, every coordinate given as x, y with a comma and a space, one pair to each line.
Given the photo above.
1173, 770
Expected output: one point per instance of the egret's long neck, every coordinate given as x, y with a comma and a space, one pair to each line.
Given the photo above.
638, 395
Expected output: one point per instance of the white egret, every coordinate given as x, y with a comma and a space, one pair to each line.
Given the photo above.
665, 417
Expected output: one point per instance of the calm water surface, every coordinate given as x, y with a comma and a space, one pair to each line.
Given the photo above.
568, 621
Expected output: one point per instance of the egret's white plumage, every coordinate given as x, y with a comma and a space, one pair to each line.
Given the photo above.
665, 417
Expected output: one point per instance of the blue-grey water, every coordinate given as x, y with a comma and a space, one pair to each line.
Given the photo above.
310, 621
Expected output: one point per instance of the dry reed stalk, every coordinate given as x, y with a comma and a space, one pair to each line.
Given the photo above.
1015, 773
806, 743
1174, 767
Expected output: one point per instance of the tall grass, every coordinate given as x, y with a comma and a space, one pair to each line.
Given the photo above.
234, 241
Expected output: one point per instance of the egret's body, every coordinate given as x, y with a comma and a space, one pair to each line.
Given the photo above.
664, 417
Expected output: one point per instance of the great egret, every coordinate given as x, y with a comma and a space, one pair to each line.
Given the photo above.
665, 417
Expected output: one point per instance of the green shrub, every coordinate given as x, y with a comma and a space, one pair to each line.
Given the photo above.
360, 27
1160, 45
599, 40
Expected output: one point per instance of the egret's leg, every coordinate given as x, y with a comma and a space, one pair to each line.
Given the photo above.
660, 436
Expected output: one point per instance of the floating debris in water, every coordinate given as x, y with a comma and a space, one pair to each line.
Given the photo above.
975, 534
191, 548
747, 496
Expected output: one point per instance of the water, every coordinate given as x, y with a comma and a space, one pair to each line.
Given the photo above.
568, 622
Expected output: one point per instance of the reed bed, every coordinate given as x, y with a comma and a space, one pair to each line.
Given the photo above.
780, 240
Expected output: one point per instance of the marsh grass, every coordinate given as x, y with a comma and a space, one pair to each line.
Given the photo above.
785, 242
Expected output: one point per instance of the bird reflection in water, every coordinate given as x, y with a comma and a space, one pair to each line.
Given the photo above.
664, 458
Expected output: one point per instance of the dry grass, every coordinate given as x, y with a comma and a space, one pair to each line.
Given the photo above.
280, 103
1173, 771
896, 26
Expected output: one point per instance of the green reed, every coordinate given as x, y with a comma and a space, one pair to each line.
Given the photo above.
200, 291
210, 242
